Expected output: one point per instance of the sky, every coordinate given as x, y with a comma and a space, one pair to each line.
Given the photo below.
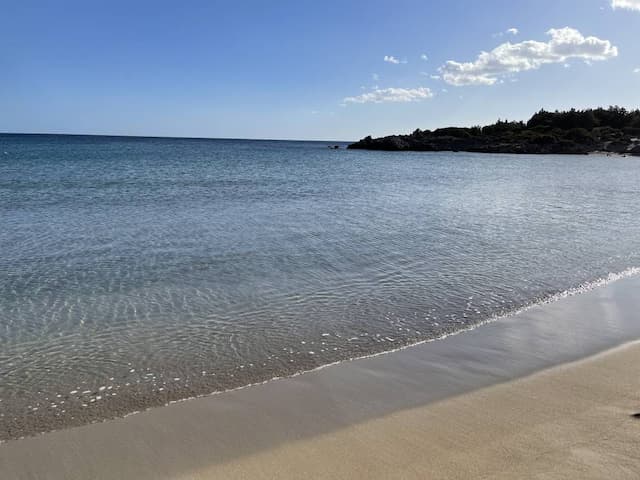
329, 70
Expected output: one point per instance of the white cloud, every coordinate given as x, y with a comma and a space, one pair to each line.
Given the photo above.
375, 77
636, 70
508, 31
430, 75
509, 58
394, 60
397, 95
424, 57
626, 4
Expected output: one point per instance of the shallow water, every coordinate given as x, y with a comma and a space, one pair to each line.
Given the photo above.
138, 271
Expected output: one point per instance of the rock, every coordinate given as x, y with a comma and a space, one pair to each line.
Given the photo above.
635, 150
573, 132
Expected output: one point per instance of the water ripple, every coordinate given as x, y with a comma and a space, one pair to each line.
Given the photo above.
162, 269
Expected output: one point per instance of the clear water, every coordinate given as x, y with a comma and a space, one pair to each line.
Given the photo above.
138, 271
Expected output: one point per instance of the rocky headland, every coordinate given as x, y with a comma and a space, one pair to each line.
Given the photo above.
613, 130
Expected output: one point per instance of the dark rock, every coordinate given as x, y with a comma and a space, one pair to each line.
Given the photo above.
635, 150
616, 147
572, 132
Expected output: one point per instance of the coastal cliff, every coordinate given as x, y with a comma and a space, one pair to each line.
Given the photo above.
613, 130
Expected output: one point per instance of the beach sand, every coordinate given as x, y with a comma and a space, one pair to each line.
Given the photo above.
570, 422
527, 396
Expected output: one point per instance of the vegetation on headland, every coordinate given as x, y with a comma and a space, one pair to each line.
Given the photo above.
612, 130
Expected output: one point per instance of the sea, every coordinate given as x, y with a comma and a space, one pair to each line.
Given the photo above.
135, 272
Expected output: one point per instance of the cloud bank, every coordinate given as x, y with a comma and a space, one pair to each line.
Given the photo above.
508, 58
391, 95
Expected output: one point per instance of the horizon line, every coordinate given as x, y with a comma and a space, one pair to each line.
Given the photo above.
175, 137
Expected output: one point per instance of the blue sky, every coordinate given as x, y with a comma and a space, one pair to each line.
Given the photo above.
308, 70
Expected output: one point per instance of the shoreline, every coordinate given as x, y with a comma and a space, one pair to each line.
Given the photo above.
587, 153
576, 420
580, 289
215, 430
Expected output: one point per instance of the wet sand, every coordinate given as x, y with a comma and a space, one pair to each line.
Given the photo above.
571, 422
462, 407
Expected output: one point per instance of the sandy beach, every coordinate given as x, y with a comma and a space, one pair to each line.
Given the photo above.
573, 421
546, 393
